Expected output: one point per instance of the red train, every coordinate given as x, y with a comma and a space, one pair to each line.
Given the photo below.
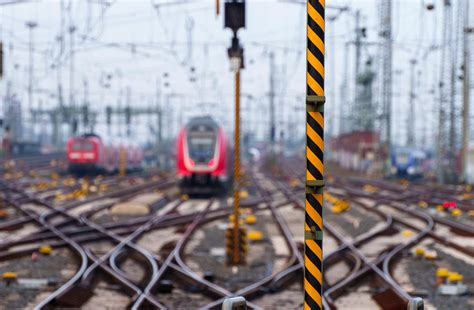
203, 157
89, 154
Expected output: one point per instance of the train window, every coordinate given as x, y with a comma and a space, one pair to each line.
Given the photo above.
201, 147
82, 146
402, 158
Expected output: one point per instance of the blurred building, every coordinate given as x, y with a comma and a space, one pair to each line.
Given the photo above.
356, 150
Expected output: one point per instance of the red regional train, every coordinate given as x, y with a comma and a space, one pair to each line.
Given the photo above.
89, 154
203, 158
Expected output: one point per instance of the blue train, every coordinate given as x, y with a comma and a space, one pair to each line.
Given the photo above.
409, 163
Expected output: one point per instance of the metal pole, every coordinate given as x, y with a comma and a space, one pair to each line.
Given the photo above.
454, 45
71, 66
272, 101
411, 108
313, 227
387, 77
71, 104
31, 25
356, 111
344, 110
30, 77
442, 137
466, 93
236, 259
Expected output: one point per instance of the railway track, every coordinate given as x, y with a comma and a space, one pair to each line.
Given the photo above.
161, 258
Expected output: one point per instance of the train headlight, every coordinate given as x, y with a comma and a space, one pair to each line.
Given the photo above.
411, 170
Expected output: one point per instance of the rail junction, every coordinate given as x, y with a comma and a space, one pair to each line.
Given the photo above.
137, 240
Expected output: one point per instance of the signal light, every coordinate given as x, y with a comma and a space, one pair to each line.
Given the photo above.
449, 204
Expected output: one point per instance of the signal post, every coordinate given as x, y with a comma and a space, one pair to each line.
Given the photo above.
234, 18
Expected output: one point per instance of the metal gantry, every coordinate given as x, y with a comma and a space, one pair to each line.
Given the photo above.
313, 250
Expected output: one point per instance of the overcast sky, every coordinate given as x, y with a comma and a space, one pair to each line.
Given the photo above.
138, 45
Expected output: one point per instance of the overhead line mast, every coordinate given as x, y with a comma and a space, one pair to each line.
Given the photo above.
386, 34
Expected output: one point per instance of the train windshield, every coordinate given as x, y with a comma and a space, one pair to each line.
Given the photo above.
82, 146
201, 146
402, 158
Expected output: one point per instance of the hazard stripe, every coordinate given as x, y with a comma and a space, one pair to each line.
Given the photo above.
317, 175
313, 253
312, 135
314, 275
313, 303
315, 150
313, 85
316, 41
319, 118
318, 78
315, 145
316, 64
316, 122
316, 16
314, 210
309, 176
315, 165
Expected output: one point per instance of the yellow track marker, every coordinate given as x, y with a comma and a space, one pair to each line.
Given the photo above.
455, 277
244, 194
422, 204
255, 235
250, 219
45, 249
419, 251
9, 275
456, 212
442, 272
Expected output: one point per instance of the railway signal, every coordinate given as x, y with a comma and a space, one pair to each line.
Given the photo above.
234, 11
313, 250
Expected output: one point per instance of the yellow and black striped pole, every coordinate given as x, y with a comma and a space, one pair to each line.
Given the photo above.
313, 252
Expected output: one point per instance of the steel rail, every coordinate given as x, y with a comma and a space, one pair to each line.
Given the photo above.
295, 257
358, 241
168, 220
68, 206
151, 284
80, 253
68, 285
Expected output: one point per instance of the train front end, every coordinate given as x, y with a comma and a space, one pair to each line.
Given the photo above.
84, 154
202, 159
